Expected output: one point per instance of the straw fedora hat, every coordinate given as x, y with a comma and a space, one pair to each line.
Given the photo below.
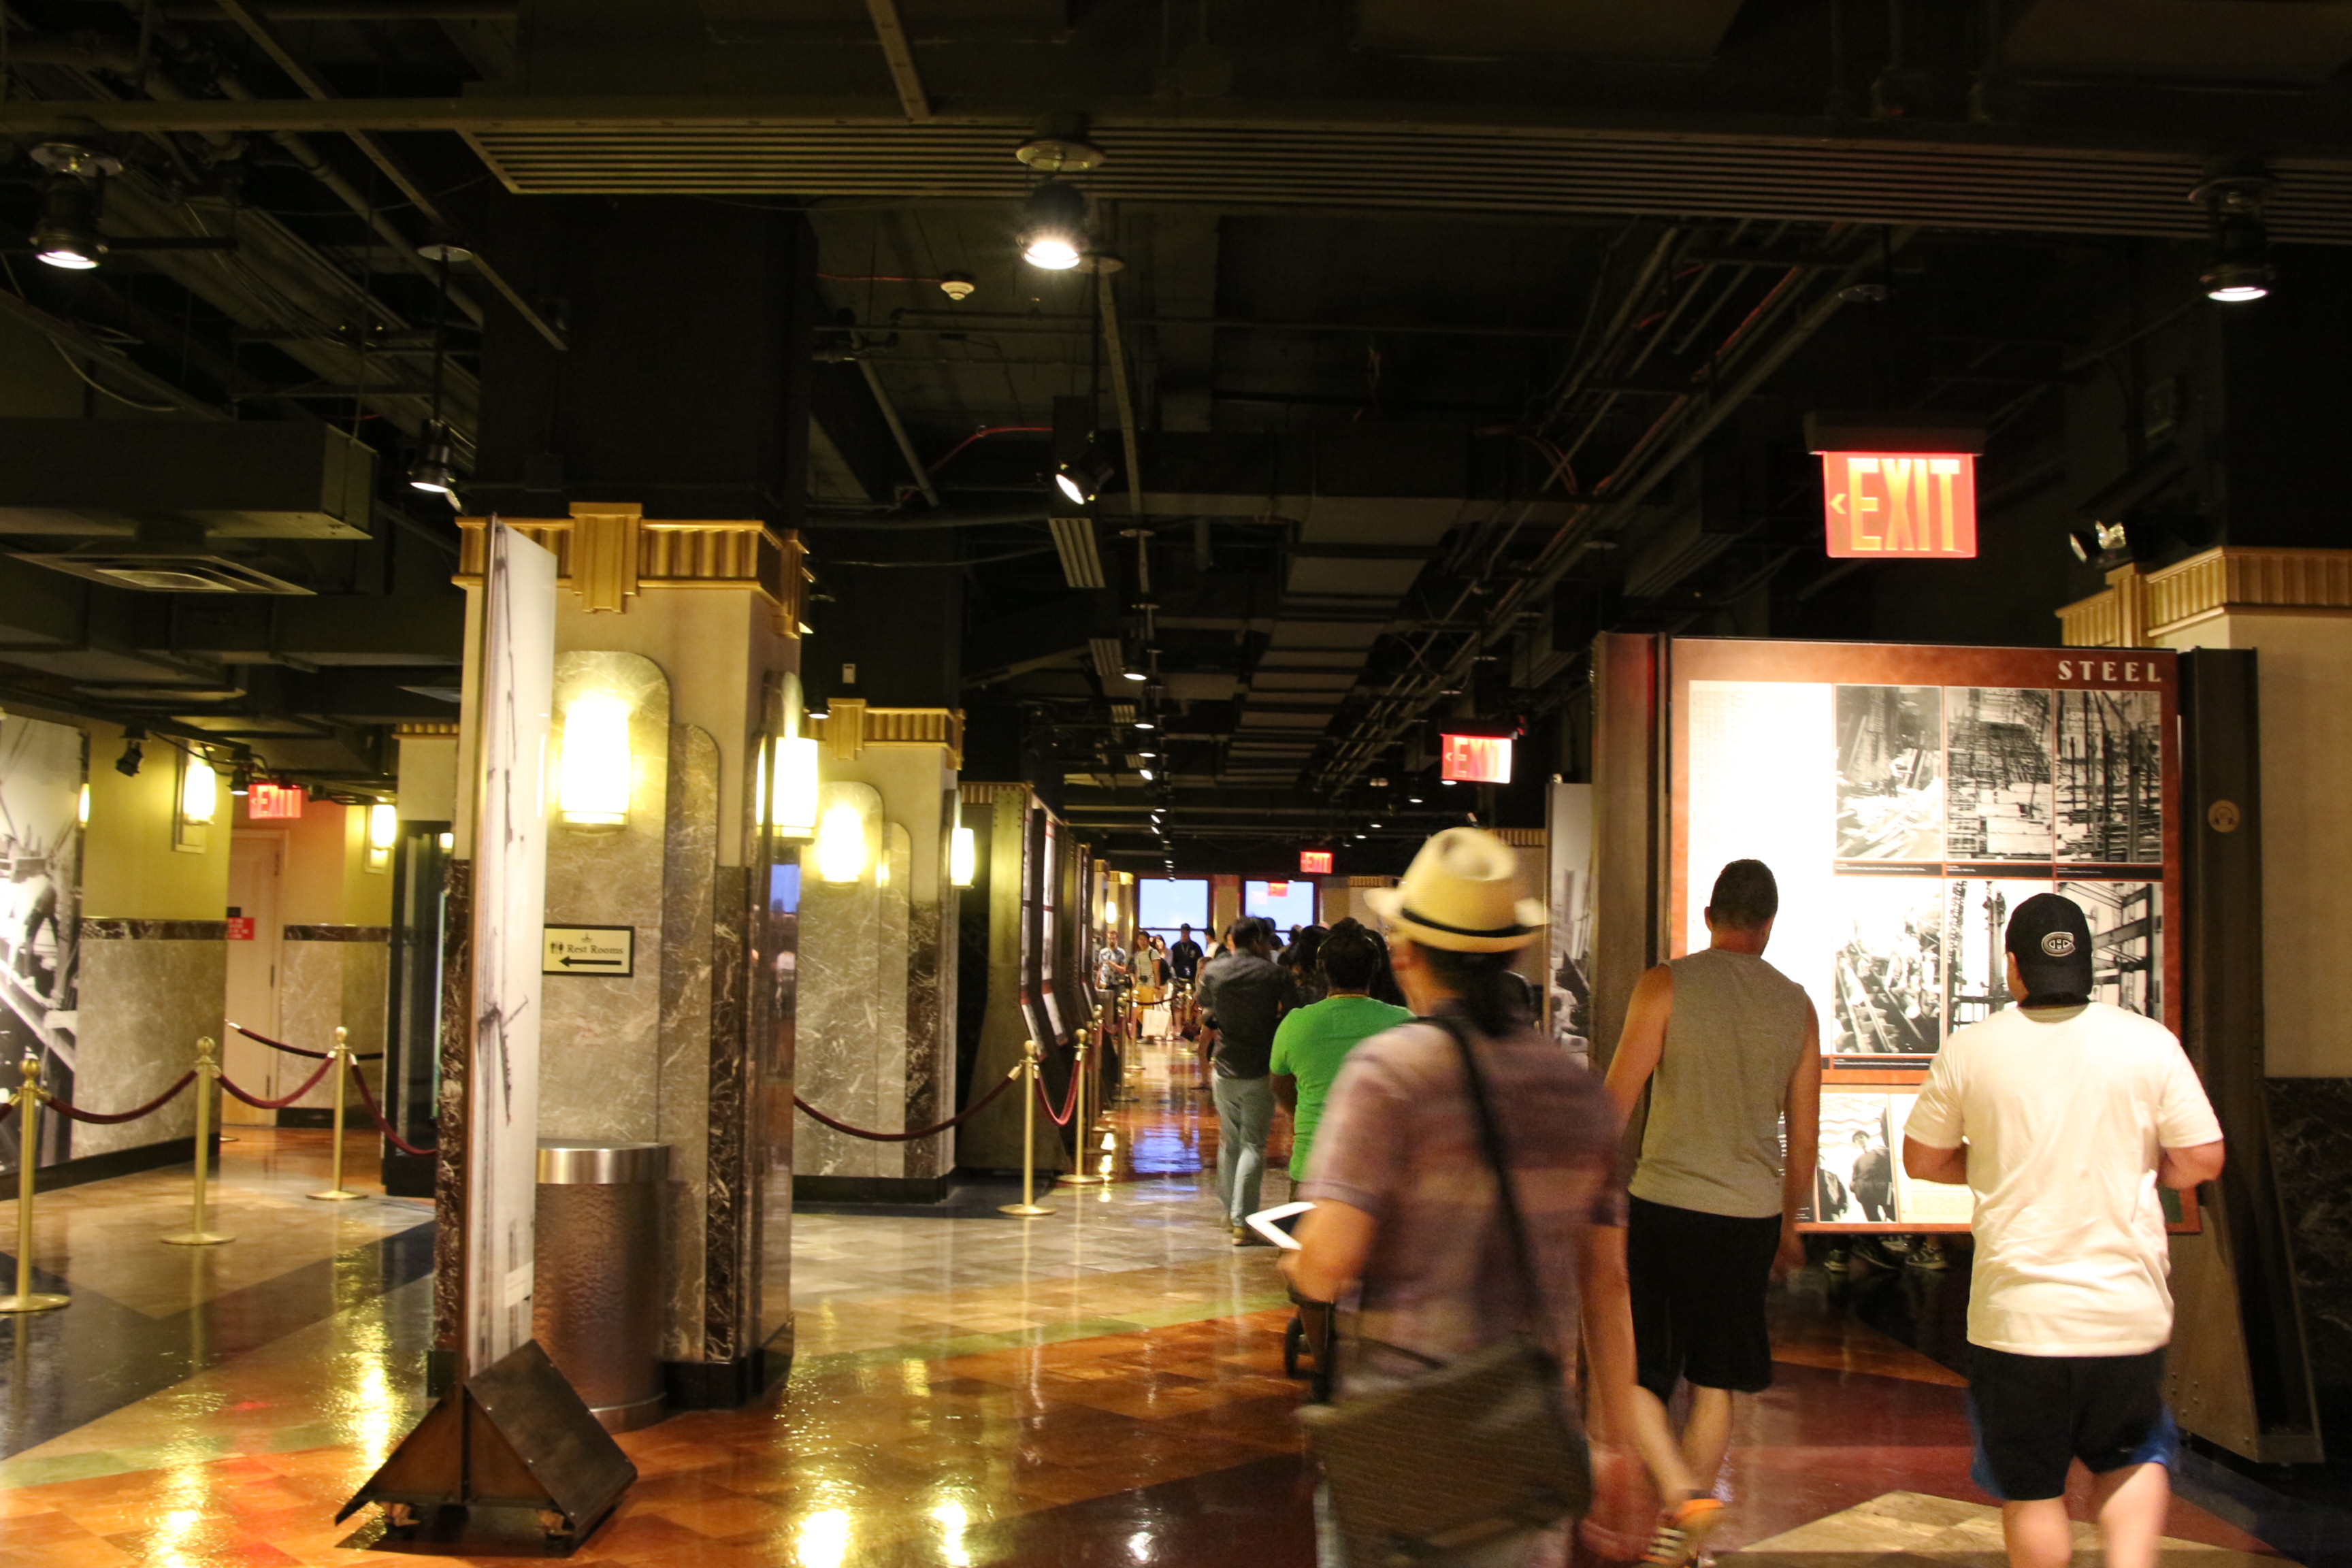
1461, 892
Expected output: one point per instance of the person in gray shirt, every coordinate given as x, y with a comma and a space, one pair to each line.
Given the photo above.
1728, 1045
1242, 997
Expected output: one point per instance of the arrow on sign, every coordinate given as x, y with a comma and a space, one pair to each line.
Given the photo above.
1837, 503
608, 963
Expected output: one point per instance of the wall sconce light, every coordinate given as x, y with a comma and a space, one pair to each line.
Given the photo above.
964, 859
81, 808
383, 829
593, 778
841, 845
795, 785
199, 792
1110, 908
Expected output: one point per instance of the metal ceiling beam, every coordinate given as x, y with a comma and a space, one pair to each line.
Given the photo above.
898, 53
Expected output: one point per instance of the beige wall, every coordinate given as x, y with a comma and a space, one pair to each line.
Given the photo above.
129, 868
2306, 671
326, 880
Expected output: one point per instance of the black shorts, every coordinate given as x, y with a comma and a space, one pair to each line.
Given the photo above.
1698, 1283
2034, 1416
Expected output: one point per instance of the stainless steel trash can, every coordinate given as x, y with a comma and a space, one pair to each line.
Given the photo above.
596, 1301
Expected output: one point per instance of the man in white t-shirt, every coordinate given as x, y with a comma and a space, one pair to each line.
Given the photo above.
2063, 1116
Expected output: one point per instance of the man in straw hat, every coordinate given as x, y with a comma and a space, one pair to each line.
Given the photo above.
1407, 1218
1729, 1046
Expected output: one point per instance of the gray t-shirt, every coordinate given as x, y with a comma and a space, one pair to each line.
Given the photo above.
1734, 1036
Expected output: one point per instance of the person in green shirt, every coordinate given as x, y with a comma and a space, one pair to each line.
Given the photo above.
1314, 1041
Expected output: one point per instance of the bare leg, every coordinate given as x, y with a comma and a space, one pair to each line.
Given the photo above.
2131, 1505
1707, 1435
2038, 1533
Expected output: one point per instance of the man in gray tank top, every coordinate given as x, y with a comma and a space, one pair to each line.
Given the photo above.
1731, 1046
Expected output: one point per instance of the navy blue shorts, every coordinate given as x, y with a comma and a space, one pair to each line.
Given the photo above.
2034, 1415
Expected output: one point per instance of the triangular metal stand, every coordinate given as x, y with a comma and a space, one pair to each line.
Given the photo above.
508, 1464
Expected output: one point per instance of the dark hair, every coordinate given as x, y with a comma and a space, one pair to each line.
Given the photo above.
1349, 957
1253, 932
1305, 943
1484, 986
1746, 896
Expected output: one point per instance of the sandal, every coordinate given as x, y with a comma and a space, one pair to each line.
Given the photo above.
1682, 1532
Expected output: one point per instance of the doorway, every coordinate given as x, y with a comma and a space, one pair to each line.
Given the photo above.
256, 866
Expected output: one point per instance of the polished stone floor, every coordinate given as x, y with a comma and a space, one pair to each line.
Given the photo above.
1100, 1385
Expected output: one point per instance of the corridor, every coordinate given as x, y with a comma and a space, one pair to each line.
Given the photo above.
1101, 1385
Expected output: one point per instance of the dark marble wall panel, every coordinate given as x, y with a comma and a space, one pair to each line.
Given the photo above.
728, 1268
927, 1063
2311, 1134
449, 1168
772, 1152
688, 874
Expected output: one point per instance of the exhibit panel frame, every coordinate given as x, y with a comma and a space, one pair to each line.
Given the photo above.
1907, 796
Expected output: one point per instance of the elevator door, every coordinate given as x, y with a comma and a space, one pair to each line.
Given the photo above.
255, 862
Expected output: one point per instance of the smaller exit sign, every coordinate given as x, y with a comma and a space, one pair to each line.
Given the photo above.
267, 801
1315, 862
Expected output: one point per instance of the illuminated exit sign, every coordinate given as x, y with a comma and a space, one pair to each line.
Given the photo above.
1900, 503
1900, 484
1473, 759
1315, 862
269, 801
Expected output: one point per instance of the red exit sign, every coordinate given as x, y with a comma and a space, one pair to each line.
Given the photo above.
1315, 862
1919, 504
1473, 759
267, 801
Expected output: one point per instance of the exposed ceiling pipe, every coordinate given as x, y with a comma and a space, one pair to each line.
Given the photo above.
899, 432
898, 53
1121, 396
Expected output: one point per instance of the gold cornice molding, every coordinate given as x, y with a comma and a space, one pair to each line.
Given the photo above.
610, 551
848, 726
418, 730
2138, 606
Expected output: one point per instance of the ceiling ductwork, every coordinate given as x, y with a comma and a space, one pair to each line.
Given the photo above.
125, 478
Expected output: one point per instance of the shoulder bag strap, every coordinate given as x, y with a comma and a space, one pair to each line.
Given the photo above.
1490, 1138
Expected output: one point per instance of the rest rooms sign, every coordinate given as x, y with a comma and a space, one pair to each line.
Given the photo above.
1919, 504
589, 949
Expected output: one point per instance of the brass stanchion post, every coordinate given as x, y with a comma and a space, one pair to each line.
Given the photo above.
1028, 1206
28, 1150
1077, 1176
207, 1074
340, 1054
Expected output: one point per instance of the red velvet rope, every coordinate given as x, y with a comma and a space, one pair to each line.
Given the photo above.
8, 1110
259, 1104
1069, 1102
149, 1108
971, 1110
367, 1098
299, 1051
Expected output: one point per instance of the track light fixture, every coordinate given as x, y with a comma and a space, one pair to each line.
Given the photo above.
2240, 268
436, 468
1082, 479
127, 764
1053, 227
65, 234
2106, 545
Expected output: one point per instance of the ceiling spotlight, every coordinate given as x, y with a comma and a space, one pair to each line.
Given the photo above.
240, 779
2106, 545
436, 467
958, 286
1145, 724
1146, 772
1083, 479
127, 764
1129, 674
67, 233
1359, 835
1053, 227
1413, 800
2240, 268
1380, 784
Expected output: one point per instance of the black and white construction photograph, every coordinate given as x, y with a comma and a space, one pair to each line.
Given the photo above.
1854, 1181
1890, 794
1888, 986
1997, 757
2110, 776
1976, 922
2126, 942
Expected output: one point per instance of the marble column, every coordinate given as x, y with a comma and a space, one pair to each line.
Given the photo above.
149, 989
332, 975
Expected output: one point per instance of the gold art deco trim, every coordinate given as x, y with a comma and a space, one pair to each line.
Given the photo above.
990, 793
418, 731
609, 552
849, 726
1522, 837
2230, 577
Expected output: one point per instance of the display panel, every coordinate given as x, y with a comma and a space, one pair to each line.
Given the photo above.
1906, 798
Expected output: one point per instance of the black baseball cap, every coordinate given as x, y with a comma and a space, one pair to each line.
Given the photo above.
2051, 940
